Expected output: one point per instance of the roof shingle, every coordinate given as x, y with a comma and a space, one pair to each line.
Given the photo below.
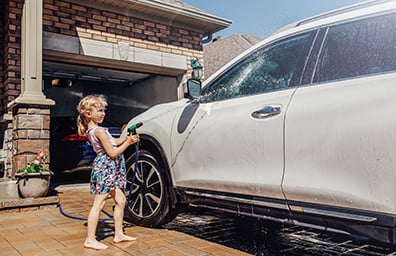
223, 49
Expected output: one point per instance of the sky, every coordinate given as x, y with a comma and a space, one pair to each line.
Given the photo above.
263, 17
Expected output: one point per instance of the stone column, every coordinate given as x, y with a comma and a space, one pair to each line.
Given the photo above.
31, 132
31, 113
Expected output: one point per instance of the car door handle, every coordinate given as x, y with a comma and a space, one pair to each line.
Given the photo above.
267, 111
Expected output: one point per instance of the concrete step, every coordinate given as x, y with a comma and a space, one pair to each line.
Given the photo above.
11, 202
8, 189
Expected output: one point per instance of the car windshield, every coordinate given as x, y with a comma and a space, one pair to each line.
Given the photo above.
268, 69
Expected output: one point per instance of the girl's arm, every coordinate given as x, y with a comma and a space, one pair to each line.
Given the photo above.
108, 147
119, 140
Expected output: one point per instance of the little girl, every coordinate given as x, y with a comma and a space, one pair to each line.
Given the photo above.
108, 176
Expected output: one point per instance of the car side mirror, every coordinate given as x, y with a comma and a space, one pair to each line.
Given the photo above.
193, 88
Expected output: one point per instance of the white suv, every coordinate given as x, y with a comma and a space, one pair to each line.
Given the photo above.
300, 129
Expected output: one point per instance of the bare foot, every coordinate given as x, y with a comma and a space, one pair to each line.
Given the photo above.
95, 245
123, 238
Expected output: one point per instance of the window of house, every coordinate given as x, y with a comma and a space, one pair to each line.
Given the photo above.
268, 69
358, 48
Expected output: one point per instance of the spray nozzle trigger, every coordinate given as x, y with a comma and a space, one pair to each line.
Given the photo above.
132, 128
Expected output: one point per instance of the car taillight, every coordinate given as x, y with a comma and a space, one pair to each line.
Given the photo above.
75, 137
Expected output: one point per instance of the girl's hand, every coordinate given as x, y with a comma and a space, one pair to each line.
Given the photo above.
132, 139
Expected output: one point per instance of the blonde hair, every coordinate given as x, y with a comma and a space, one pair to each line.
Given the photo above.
87, 104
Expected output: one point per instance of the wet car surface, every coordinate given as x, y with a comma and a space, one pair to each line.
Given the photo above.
295, 130
259, 237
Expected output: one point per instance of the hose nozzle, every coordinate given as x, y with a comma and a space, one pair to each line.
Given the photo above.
132, 128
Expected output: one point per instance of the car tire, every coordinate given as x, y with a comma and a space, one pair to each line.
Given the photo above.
148, 203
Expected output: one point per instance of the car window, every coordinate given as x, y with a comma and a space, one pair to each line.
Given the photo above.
358, 48
266, 70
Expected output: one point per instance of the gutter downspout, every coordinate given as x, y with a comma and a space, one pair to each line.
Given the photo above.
207, 39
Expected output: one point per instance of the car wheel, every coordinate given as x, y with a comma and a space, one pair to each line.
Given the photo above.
147, 201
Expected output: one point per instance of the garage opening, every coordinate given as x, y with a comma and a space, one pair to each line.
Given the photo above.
128, 94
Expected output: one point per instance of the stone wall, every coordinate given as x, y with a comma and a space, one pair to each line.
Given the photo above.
6, 150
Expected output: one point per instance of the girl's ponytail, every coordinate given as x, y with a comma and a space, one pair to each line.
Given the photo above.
82, 125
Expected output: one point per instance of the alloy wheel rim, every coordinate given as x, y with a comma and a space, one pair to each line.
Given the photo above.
147, 190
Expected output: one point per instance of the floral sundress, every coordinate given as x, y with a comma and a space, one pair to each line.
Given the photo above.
107, 173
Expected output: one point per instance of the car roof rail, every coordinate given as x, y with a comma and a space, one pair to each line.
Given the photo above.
341, 10
332, 13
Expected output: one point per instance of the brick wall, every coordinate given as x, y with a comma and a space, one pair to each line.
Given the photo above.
85, 22
2, 31
72, 19
77, 20
12, 52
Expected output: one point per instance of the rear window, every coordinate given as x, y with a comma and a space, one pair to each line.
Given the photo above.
358, 48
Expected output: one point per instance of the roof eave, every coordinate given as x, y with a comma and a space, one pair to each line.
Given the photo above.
177, 14
204, 22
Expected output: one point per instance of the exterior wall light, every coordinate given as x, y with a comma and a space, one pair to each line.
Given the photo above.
197, 69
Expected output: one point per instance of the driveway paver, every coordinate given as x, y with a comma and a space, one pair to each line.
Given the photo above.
48, 232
